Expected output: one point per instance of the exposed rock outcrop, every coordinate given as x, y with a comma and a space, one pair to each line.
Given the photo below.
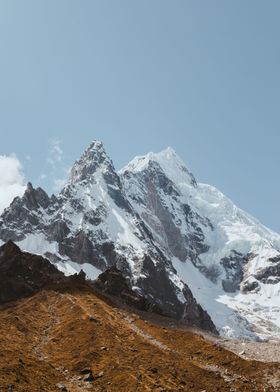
113, 283
22, 274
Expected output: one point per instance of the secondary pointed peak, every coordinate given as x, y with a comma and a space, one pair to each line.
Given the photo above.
169, 151
29, 187
168, 160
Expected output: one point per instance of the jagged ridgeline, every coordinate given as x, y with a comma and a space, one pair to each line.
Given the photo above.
182, 244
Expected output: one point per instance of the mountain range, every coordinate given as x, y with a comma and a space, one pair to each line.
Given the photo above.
182, 244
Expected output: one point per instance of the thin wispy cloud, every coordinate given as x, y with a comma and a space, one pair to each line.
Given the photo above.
58, 169
12, 180
55, 154
42, 176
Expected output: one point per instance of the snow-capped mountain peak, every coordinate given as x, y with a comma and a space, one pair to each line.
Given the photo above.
169, 162
173, 237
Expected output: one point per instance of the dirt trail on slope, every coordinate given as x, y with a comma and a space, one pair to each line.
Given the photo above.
44, 335
48, 339
150, 339
223, 369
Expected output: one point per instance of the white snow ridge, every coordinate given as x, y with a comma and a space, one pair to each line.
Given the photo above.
165, 230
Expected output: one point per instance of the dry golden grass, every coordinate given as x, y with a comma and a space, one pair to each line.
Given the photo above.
49, 338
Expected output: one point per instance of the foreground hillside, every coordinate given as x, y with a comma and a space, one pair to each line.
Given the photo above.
67, 334
53, 341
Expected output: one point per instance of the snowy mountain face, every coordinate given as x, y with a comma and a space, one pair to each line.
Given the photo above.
228, 259
181, 243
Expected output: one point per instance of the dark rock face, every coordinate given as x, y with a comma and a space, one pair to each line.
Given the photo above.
79, 248
270, 274
250, 286
8, 234
159, 287
195, 316
25, 214
233, 265
58, 230
113, 283
35, 198
22, 274
275, 259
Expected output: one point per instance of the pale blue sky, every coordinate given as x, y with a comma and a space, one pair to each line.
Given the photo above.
200, 76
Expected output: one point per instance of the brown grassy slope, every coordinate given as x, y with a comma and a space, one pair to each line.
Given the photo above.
49, 338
